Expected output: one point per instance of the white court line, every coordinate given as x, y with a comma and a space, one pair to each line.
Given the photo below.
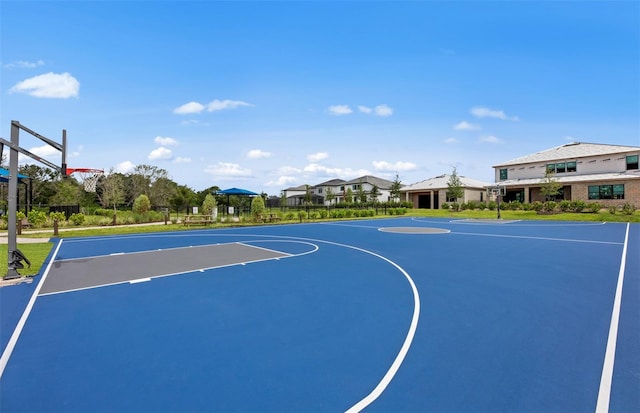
606, 379
538, 238
6, 354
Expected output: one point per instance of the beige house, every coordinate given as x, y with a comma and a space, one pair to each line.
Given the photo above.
432, 193
607, 174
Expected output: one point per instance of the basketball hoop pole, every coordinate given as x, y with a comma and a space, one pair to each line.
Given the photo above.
15, 256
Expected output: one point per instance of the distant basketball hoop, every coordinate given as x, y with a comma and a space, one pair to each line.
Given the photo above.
88, 176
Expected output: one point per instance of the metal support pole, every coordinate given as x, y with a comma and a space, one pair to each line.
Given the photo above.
12, 196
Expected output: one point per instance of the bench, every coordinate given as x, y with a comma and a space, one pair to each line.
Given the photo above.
198, 220
273, 217
268, 218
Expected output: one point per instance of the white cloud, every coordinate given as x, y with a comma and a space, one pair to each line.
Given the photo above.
44, 151
383, 111
317, 157
481, 112
282, 181
217, 105
571, 139
227, 169
181, 159
258, 154
340, 110
464, 125
49, 85
397, 166
365, 109
321, 170
23, 64
125, 167
162, 141
188, 108
288, 170
160, 153
451, 140
490, 139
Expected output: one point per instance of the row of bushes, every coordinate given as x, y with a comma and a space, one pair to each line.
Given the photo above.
548, 206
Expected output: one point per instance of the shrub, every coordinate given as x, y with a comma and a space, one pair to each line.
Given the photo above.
324, 213
628, 209
537, 206
141, 204
257, 207
492, 205
445, 205
37, 218
302, 215
565, 205
549, 206
77, 219
612, 209
578, 206
594, 207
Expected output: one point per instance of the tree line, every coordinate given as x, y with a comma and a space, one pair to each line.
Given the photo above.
114, 190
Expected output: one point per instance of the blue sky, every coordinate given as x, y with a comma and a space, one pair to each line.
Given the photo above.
267, 95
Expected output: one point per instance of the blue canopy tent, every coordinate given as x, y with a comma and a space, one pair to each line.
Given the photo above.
235, 191
22, 179
4, 176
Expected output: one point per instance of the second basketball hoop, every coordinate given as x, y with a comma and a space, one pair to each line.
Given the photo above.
88, 176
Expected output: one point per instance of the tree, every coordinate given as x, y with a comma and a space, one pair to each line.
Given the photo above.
257, 207
161, 191
348, 198
111, 190
283, 198
394, 189
307, 195
455, 189
68, 192
183, 197
329, 195
143, 178
209, 204
374, 193
549, 186
362, 196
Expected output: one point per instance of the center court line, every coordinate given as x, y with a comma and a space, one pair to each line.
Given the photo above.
6, 354
604, 393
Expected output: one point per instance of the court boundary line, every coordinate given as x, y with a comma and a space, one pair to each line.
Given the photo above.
606, 380
534, 223
8, 350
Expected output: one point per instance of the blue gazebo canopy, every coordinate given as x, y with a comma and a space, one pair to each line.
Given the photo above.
4, 175
236, 191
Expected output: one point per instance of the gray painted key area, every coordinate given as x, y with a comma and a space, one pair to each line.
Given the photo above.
84, 273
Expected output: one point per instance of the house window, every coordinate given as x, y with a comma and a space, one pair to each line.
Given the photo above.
571, 166
632, 162
551, 168
606, 191
342, 188
319, 190
355, 187
503, 174
561, 167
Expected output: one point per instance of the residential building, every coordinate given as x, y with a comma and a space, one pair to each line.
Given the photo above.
433, 192
607, 174
335, 191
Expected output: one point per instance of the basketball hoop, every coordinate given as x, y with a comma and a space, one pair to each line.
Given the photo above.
88, 176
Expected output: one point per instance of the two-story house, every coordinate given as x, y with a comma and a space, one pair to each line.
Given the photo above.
607, 174
336, 191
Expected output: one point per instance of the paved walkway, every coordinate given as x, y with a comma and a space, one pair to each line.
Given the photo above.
47, 233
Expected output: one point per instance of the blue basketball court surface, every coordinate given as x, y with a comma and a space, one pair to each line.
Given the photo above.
391, 315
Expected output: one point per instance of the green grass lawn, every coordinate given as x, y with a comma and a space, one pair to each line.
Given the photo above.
36, 253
